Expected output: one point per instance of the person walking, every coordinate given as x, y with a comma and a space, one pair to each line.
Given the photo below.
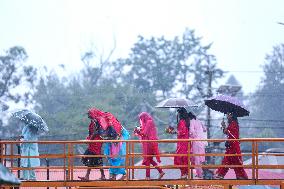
148, 131
182, 147
29, 133
94, 148
232, 147
198, 131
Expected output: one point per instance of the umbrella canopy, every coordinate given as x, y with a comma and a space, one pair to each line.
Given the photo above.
175, 103
225, 104
6, 177
31, 118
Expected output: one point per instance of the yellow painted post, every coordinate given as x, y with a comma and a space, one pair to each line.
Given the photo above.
256, 160
188, 166
253, 160
64, 161
68, 160
12, 153
282, 185
126, 160
132, 150
71, 161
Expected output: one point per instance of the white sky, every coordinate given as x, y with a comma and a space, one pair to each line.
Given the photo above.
58, 31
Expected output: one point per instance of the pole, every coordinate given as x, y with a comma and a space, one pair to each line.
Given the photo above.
209, 94
19, 159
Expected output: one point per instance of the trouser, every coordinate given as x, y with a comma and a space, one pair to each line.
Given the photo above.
151, 161
184, 171
29, 174
232, 160
198, 161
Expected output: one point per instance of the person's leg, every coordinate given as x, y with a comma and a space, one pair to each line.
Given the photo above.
25, 174
155, 165
148, 171
199, 171
239, 171
158, 168
222, 171
184, 172
103, 177
112, 177
32, 175
87, 176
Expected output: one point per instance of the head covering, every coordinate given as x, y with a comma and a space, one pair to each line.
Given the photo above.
105, 119
111, 120
95, 113
148, 126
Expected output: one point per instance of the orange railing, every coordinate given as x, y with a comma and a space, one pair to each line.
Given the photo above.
68, 168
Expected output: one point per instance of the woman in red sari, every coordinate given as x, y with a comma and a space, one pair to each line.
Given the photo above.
232, 147
148, 131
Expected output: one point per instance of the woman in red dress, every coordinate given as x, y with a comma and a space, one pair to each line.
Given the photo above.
183, 132
94, 148
232, 147
148, 131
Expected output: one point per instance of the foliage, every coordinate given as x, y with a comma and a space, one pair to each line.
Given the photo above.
64, 105
168, 67
15, 73
266, 101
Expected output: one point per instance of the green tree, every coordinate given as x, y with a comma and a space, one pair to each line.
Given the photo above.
159, 65
267, 101
15, 73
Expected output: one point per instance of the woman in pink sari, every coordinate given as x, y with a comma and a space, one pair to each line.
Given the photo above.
148, 131
197, 131
182, 147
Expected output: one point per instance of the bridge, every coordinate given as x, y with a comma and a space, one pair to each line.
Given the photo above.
66, 173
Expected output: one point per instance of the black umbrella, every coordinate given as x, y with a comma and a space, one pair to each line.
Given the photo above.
225, 104
32, 119
6, 177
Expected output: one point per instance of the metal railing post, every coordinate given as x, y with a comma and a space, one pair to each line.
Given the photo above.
253, 159
188, 156
126, 160
19, 159
132, 149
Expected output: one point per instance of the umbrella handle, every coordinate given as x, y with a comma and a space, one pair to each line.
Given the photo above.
223, 121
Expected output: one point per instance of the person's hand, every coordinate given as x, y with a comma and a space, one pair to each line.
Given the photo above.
137, 130
170, 130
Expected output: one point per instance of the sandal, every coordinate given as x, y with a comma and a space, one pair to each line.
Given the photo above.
161, 175
218, 177
83, 178
123, 177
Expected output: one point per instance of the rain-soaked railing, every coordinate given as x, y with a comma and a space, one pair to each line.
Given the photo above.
65, 172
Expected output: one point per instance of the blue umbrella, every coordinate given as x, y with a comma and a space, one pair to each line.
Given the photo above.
31, 118
6, 177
